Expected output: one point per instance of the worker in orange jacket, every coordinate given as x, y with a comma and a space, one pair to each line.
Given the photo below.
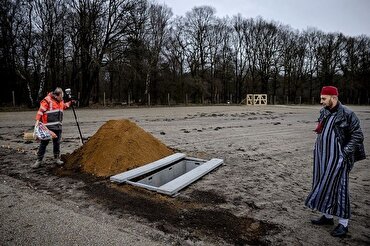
50, 114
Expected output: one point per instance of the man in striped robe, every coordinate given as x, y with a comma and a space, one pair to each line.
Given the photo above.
339, 145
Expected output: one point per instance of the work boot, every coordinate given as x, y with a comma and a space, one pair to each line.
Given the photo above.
58, 161
37, 164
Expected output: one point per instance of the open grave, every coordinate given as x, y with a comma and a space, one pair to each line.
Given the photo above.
126, 153
168, 175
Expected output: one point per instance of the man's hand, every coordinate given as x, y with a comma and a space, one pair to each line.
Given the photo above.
53, 135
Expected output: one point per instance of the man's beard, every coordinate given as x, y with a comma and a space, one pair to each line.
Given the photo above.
329, 105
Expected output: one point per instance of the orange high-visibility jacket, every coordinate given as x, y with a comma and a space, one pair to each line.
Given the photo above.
50, 112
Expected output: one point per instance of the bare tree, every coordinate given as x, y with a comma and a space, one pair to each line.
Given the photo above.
100, 25
157, 32
17, 40
293, 57
268, 47
198, 23
175, 55
364, 68
220, 58
329, 52
132, 49
312, 40
48, 27
354, 65
239, 47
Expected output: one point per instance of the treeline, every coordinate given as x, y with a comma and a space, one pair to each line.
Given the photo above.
137, 51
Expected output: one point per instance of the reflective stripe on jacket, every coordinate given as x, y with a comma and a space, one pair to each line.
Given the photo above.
50, 112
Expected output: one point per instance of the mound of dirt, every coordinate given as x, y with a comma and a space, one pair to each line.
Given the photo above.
118, 146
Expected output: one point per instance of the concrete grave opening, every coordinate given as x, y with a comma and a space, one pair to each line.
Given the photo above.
168, 175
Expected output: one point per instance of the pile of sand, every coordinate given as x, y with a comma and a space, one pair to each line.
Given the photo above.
118, 145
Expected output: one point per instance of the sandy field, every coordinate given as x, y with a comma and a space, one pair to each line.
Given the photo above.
255, 198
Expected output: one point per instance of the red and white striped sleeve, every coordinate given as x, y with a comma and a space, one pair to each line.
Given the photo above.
43, 107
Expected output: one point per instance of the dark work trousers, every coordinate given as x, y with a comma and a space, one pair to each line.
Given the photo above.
56, 146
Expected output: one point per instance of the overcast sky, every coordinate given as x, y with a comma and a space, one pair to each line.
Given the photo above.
351, 17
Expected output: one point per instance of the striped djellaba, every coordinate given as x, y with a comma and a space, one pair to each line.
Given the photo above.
330, 192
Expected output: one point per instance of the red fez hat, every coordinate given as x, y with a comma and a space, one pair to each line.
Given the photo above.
329, 90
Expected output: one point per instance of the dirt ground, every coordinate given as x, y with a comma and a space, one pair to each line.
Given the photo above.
255, 198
